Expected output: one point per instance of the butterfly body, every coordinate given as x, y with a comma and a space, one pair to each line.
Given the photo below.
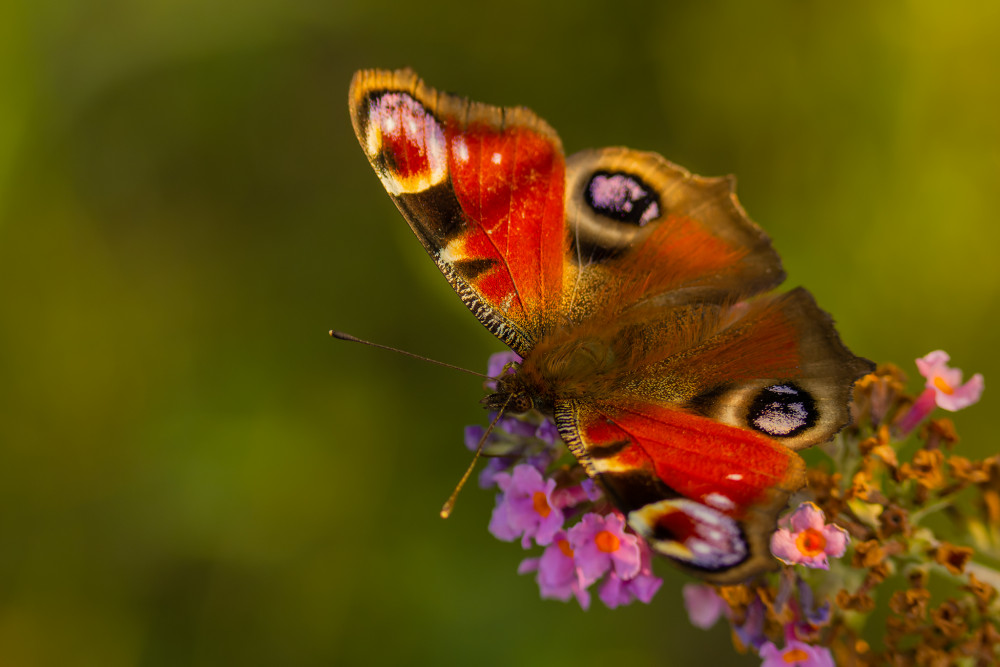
638, 296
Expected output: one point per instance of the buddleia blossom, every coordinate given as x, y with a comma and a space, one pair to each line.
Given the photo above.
601, 544
558, 577
805, 539
943, 388
795, 654
524, 507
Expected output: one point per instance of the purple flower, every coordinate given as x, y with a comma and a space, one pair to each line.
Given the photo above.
704, 606
795, 653
601, 543
524, 508
497, 362
751, 631
617, 591
513, 440
558, 577
548, 432
571, 496
813, 616
593, 491
805, 539
473, 434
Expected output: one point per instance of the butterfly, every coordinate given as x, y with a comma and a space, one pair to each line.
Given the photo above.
640, 297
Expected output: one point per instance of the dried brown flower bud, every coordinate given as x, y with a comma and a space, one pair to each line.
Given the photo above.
952, 557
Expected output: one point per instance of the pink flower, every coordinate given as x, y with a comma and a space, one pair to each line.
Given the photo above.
524, 508
949, 392
805, 539
557, 577
600, 543
572, 496
704, 606
616, 591
795, 653
943, 389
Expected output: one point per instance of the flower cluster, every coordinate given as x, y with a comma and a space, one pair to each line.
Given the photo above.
888, 557
545, 502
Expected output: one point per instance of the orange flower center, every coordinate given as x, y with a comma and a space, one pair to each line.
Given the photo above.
541, 504
565, 548
795, 655
942, 385
607, 542
811, 542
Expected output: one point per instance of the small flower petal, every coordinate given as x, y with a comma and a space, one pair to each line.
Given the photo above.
704, 606
806, 515
558, 577
617, 591
836, 540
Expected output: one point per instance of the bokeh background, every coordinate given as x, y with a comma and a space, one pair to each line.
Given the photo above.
193, 473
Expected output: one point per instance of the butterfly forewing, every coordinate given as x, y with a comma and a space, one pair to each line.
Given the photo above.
483, 189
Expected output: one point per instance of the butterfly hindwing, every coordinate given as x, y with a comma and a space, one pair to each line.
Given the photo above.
700, 492
647, 229
694, 436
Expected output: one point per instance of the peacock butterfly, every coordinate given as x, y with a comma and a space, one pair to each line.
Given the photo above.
640, 298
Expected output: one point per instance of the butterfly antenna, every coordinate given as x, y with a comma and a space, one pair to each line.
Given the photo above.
340, 335
450, 505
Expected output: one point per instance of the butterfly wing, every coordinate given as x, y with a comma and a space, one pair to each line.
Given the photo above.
482, 187
648, 231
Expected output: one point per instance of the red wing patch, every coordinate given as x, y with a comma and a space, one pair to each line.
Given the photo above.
509, 184
721, 466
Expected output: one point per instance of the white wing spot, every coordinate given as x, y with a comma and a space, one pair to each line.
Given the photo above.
445, 255
734, 476
461, 149
699, 547
496, 158
405, 120
719, 501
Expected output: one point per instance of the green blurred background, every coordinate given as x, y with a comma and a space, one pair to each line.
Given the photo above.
193, 473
